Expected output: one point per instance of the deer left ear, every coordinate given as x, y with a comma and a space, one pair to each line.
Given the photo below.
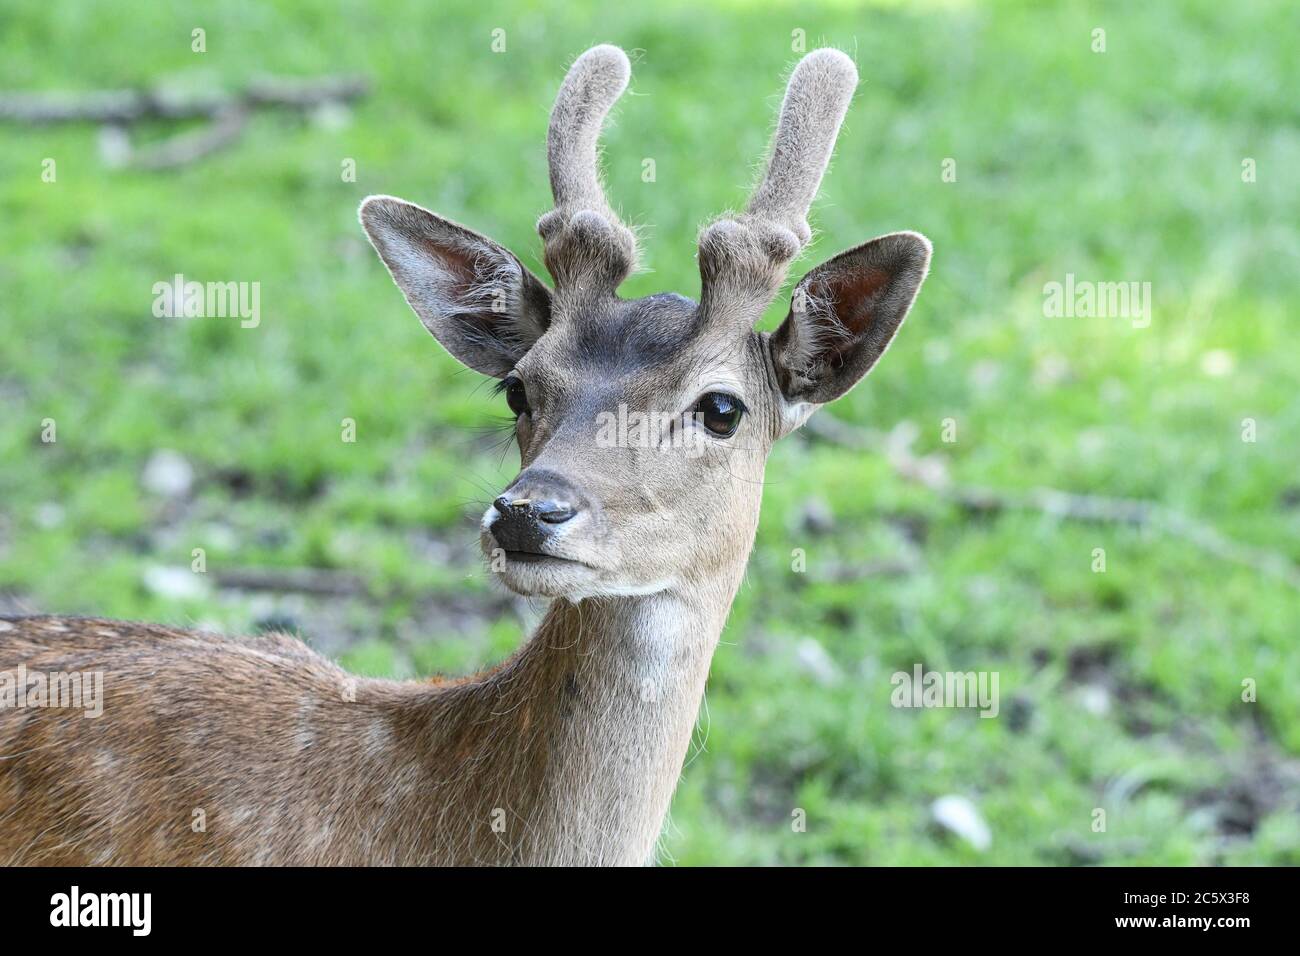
844, 314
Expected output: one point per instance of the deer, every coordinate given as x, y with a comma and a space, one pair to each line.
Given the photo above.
214, 750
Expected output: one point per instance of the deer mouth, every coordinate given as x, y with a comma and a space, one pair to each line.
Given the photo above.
537, 557
539, 574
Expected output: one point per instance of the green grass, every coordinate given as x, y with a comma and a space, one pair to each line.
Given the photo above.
1120, 691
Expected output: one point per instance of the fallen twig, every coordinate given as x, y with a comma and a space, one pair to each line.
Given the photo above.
932, 473
227, 113
123, 107
306, 580
184, 148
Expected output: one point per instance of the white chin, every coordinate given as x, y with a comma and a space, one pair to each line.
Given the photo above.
548, 577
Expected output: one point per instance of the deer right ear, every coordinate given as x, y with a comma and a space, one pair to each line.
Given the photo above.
476, 298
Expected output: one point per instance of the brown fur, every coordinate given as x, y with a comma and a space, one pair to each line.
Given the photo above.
293, 761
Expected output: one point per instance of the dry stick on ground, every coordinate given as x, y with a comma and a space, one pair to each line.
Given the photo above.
184, 148
227, 112
305, 580
1135, 512
132, 106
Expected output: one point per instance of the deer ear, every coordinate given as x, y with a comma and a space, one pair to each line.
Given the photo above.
843, 315
476, 298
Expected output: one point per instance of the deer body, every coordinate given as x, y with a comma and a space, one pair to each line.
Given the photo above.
227, 751
237, 752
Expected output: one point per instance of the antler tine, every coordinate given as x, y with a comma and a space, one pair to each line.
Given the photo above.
743, 258
815, 103
585, 243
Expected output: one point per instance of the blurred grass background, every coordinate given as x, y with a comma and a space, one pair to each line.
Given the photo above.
1120, 690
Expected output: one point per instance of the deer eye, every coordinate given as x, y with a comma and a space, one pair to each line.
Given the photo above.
516, 397
720, 413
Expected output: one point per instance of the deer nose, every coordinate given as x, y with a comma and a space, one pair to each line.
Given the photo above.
543, 509
534, 509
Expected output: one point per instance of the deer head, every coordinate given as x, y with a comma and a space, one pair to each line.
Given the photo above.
644, 424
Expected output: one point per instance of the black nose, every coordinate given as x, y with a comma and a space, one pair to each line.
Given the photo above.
530, 511
544, 509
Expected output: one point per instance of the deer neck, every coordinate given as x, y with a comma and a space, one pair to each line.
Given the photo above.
591, 722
